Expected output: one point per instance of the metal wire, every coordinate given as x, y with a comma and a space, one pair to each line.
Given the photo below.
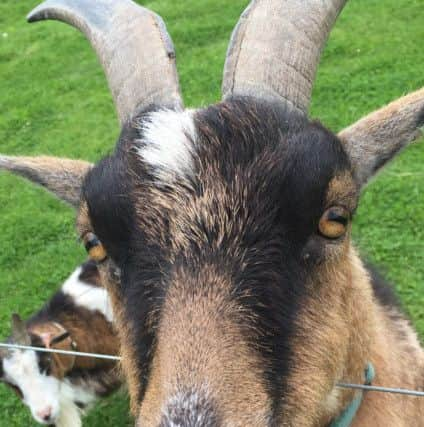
67, 352
109, 357
382, 389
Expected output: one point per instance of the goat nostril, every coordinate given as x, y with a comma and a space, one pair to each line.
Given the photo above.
45, 414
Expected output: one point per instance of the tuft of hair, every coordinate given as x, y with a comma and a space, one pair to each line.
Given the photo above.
167, 143
189, 409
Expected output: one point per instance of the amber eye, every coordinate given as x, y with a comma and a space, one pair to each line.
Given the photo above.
94, 247
334, 222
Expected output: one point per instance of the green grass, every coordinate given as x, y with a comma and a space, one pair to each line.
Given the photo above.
54, 100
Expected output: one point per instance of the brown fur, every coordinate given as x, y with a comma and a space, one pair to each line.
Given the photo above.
61, 363
347, 312
129, 367
104, 341
344, 312
108, 280
343, 329
213, 352
200, 344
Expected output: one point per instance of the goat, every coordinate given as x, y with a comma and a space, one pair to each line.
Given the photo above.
59, 388
241, 300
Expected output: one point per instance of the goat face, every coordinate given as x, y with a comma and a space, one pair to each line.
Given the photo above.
28, 373
52, 401
229, 226
226, 223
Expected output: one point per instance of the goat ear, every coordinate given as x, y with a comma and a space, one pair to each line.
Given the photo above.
63, 177
20, 334
378, 137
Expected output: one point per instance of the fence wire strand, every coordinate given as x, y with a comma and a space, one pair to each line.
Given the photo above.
403, 391
382, 389
66, 352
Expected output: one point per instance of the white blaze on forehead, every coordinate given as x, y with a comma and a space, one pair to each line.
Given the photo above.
39, 390
168, 142
93, 298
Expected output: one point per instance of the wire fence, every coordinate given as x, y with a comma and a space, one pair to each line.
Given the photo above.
65, 352
393, 390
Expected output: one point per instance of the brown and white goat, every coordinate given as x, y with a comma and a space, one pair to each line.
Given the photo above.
242, 301
58, 388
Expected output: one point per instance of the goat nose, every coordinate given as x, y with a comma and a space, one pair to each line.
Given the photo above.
45, 413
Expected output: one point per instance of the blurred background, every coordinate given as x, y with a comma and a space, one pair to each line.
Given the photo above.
54, 100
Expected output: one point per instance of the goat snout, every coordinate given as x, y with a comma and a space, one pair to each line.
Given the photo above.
45, 414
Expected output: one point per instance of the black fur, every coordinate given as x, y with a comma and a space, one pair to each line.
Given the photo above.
383, 291
57, 308
90, 273
44, 360
285, 163
274, 168
102, 381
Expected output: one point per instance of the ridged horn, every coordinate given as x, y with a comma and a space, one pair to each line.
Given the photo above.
275, 49
133, 46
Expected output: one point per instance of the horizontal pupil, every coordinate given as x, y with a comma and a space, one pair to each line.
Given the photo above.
92, 243
333, 216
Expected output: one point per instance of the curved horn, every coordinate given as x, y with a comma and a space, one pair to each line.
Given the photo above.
133, 46
275, 49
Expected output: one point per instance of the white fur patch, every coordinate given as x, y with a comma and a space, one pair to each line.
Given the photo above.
168, 143
91, 297
332, 401
70, 413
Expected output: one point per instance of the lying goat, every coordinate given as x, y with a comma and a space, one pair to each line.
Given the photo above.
58, 388
242, 301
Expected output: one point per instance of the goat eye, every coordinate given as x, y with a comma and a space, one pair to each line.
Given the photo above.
334, 222
94, 247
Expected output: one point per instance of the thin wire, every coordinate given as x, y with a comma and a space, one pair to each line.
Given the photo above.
382, 389
109, 357
67, 352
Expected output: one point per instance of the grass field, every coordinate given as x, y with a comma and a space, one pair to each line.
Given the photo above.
54, 100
